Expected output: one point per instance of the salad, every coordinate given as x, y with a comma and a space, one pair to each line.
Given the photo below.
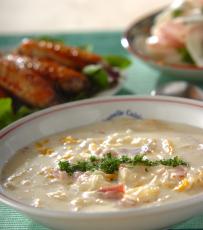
43, 72
177, 34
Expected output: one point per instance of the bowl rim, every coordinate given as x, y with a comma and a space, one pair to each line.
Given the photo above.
195, 199
127, 44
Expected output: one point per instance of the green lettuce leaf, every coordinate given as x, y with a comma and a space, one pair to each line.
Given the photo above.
117, 61
97, 75
7, 115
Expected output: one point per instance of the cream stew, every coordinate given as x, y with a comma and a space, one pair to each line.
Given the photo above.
35, 177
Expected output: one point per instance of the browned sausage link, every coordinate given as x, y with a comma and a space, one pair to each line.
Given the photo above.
3, 94
26, 84
68, 79
69, 56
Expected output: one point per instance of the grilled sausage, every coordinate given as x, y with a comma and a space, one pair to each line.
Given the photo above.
68, 79
69, 56
26, 84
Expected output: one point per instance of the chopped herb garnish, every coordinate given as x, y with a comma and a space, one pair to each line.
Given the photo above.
93, 159
110, 164
65, 166
142, 160
174, 162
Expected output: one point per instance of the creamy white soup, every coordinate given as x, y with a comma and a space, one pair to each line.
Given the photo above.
111, 165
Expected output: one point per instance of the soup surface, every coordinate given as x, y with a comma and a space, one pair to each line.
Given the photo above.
109, 165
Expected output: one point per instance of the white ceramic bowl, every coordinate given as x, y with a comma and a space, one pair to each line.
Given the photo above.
71, 115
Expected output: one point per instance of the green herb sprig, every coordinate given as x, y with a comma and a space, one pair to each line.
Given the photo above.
110, 164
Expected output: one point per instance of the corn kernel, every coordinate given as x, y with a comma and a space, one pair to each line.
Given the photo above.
47, 173
111, 177
69, 140
45, 151
184, 184
40, 144
66, 156
127, 139
93, 147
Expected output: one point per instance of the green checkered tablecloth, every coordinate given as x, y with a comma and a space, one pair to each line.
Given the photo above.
140, 80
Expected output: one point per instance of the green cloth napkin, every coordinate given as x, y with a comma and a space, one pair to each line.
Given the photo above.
140, 79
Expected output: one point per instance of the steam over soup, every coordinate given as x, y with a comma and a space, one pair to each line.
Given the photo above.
109, 165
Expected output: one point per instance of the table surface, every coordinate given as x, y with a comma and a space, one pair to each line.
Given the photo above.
17, 16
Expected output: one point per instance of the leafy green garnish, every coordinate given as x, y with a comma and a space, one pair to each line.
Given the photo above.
177, 12
23, 111
141, 160
79, 96
185, 55
97, 75
101, 79
7, 114
91, 69
110, 164
174, 162
117, 61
